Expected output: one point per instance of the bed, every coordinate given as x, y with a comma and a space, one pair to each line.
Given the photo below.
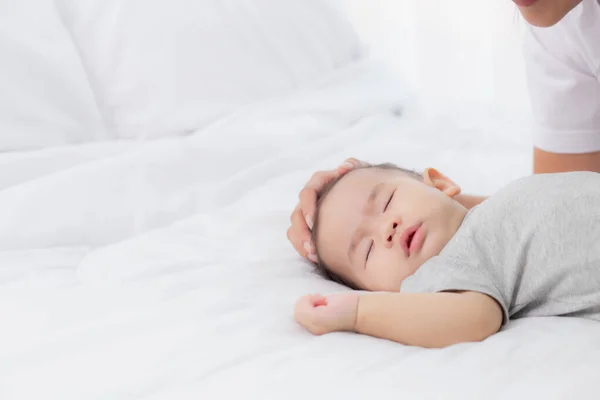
144, 201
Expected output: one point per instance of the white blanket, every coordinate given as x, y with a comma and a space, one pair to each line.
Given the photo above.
161, 270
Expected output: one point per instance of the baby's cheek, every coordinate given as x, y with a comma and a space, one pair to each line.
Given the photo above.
389, 273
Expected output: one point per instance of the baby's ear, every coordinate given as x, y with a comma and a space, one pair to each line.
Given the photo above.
436, 179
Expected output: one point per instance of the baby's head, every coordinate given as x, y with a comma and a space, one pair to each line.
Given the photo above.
377, 225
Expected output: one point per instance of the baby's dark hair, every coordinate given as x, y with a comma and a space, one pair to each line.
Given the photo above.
322, 267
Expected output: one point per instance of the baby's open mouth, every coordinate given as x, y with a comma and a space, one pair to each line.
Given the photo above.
408, 237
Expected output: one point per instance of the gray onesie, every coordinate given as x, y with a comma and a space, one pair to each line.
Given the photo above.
534, 247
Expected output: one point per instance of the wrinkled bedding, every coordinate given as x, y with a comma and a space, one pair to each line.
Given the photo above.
161, 269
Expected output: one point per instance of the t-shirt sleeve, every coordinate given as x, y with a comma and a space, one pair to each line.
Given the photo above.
443, 274
564, 89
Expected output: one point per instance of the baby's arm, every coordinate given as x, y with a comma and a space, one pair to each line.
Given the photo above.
428, 319
425, 320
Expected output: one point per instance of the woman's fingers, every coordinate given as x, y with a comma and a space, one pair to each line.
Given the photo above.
298, 233
303, 217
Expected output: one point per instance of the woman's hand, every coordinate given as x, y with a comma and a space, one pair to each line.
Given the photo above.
304, 214
324, 314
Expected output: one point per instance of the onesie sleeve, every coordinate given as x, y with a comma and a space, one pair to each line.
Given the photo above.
442, 274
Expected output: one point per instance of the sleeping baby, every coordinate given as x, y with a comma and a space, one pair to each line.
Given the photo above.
428, 272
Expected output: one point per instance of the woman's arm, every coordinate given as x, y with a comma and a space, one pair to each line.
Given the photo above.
545, 162
469, 201
428, 319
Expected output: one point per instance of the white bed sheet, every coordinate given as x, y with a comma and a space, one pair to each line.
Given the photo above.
161, 270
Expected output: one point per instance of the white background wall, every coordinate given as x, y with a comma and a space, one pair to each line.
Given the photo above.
450, 50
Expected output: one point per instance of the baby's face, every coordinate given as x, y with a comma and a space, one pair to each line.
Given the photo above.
378, 226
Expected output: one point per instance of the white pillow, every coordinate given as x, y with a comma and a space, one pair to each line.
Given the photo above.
164, 67
45, 98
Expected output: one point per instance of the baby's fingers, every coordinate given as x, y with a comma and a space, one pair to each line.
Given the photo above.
310, 301
318, 300
304, 312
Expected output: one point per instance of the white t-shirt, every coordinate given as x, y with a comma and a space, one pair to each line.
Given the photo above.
563, 71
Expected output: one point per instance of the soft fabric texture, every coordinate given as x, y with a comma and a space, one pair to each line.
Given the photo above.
45, 98
563, 71
163, 68
532, 247
161, 270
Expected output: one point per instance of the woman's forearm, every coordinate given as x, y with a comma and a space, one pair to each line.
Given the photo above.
545, 162
469, 201
428, 320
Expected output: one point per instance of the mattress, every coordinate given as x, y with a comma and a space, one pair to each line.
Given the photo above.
161, 269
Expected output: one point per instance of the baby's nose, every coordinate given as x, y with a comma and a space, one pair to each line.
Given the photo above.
388, 233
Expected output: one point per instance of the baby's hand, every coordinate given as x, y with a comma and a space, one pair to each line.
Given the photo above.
325, 314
